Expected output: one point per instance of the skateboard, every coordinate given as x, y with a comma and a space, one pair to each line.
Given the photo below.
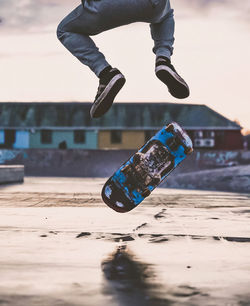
147, 168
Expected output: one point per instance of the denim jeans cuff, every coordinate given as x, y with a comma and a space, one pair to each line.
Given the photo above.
163, 52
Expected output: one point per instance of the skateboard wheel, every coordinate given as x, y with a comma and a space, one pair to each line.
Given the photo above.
188, 151
156, 181
170, 128
146, 193
125, 168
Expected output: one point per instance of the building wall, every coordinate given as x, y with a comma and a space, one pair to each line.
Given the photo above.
221, 139
59, 136
129, 140
233, 140
229, 140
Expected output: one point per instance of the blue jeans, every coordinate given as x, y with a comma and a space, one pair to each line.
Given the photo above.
96, 16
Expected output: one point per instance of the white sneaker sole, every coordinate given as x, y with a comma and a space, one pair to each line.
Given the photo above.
172, 73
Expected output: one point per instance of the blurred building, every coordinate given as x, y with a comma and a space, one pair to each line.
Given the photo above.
125, 126
246, 142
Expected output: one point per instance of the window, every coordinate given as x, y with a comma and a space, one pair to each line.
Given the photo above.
46, 136
198, 134
10, 138
209, 142
116, 136
197, 143
79, 136
209, 134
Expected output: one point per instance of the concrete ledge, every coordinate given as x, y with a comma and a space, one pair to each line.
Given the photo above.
232, 179
11, 174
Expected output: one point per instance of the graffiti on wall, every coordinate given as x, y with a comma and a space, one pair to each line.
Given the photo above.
8, 155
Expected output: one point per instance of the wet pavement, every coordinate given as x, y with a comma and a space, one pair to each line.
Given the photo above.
60, 245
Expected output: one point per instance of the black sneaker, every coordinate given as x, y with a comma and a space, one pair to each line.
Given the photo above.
166, 72
109, 86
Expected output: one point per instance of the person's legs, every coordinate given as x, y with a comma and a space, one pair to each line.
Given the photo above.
93, 18
162, 32
74, 31
98, 16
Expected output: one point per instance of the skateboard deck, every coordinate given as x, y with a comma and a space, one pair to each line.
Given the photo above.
147, 168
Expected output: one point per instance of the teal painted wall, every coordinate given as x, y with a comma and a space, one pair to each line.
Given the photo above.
91, 141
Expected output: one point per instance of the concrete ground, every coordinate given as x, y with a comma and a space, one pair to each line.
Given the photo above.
60, 245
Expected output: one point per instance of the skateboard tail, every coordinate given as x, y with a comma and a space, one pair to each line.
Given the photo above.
115, 198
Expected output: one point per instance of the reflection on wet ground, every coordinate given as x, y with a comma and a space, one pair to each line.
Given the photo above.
135, 283
127, 278
178, 248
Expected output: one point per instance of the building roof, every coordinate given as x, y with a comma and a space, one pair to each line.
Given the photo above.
121, 115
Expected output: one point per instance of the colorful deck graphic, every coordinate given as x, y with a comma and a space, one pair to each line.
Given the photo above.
147, 168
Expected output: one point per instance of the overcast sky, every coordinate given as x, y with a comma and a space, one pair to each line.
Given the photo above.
211, 52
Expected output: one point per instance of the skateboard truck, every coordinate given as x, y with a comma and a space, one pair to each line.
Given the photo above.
146, 193
182, 137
